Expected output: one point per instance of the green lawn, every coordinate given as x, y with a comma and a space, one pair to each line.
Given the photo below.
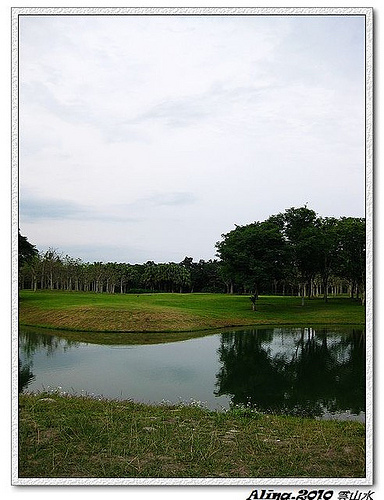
166, 312
65, 436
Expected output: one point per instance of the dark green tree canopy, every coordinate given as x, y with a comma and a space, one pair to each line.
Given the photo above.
296, 247
253, 253
26, 251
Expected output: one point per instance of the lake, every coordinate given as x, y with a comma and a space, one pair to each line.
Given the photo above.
314, 372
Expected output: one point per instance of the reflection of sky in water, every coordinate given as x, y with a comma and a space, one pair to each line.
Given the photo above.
173, 372
285, 342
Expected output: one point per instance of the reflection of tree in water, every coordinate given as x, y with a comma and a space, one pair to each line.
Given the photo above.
310, 371
31, 340
25, 375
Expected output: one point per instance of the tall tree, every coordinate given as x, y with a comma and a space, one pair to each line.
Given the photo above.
328, 248
26, 251
51, 269
300, 229
352, 258
253, 254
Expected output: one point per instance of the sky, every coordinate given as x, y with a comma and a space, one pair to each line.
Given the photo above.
148, 137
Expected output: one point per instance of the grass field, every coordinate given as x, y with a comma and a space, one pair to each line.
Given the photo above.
90, 312
66, 436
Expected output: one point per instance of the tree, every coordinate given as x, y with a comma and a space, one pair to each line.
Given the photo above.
204, 276
51, 269
148, 276
352, 260
328, 247
111, 271
252, 255
300, 229
26, 251
98, 275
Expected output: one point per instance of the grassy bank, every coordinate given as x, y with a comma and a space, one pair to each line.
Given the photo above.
79, 311
62, 436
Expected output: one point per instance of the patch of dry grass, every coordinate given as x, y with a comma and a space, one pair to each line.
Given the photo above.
109, 319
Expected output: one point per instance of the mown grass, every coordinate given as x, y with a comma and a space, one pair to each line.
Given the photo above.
67, 436
92, 312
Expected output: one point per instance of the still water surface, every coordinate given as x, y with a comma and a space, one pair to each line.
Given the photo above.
299, 371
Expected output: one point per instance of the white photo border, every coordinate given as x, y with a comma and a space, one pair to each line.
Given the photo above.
194, 11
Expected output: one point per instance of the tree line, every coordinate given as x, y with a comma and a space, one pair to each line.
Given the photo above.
51, 270
296, 252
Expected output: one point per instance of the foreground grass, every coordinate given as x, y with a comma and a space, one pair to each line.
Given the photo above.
79, 311
66, 436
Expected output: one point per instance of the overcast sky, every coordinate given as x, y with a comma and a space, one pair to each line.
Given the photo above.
147, 137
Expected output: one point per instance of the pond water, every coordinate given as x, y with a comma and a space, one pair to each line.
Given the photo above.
298, 371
